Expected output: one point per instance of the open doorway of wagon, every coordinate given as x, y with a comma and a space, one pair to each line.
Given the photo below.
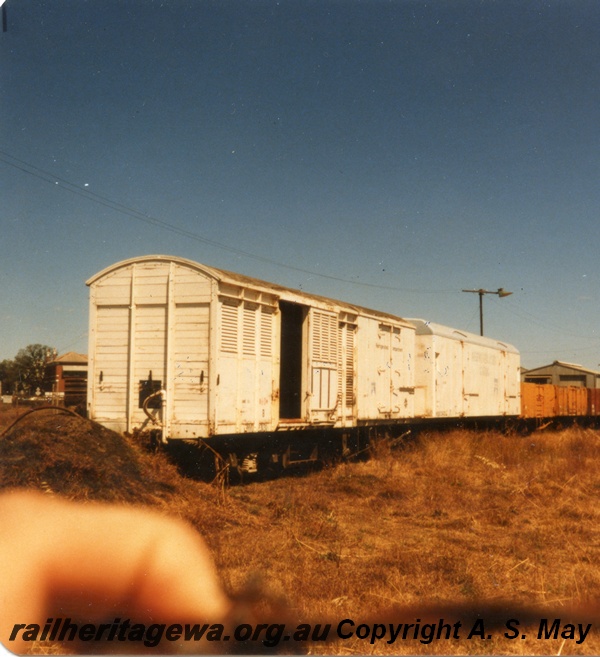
293, 316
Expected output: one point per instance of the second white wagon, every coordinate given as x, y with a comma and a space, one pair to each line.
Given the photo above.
463, 375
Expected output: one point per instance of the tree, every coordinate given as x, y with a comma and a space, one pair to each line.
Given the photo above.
30, 367
8, 376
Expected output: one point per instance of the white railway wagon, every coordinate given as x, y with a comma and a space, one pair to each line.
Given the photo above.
201, 352
459, 374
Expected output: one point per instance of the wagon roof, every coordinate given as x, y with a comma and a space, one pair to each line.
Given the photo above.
431, 328
225, 276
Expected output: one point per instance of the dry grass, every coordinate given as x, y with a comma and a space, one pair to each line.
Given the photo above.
453, 517
447, 518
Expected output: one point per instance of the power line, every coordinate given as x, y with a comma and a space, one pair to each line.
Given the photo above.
527, 316
138, 215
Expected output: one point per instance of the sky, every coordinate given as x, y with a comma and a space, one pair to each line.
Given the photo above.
388, 153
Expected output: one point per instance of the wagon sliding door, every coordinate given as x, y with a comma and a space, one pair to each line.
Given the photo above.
386, 384
324, 351
245, 386
317, 365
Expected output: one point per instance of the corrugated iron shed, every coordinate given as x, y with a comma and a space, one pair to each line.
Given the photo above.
563, 374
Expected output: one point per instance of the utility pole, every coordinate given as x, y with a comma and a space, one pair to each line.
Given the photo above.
501, 292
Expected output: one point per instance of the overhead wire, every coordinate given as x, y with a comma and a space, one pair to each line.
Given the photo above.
139, 215
515, 309
147, 218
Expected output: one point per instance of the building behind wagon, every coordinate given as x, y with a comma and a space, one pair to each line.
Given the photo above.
563, 374
199, 352
66, 378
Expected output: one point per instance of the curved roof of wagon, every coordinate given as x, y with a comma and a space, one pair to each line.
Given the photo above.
224, 276
425, 327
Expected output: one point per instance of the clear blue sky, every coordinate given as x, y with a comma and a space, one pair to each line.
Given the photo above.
388, 153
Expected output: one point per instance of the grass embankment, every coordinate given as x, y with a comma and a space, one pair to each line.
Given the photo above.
449, 518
